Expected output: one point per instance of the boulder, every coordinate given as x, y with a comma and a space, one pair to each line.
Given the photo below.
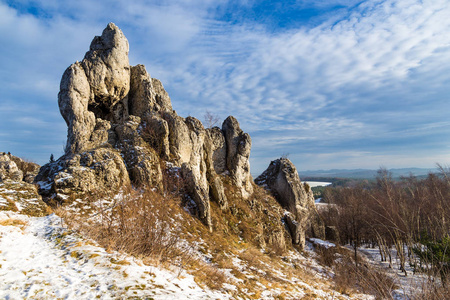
281, 178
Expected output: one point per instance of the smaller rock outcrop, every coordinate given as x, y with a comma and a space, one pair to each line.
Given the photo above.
281, 178
22, 197
239, 145
16, 191
9, 169
90, 171
16, 169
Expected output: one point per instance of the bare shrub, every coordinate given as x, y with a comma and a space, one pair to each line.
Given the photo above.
431, 290
140, 223
364, 277
326, 256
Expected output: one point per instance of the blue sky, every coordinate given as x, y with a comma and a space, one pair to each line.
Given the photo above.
334, 84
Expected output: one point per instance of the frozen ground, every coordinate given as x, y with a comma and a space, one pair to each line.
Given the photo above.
407, 285
39, 259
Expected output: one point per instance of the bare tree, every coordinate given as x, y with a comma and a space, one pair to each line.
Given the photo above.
210, 119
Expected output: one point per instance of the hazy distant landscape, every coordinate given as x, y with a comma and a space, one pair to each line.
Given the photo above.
365, 173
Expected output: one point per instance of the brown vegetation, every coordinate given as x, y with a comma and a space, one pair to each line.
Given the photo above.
410, 215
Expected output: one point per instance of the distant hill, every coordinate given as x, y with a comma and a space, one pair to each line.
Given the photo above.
364, 173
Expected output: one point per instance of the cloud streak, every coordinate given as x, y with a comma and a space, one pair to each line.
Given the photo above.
353, 77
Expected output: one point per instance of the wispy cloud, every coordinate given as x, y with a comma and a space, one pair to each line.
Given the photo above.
362, 74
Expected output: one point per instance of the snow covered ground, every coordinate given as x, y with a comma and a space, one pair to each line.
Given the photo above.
317, 183
407, 285
39, 259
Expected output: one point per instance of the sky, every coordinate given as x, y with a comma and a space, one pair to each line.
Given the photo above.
330, 84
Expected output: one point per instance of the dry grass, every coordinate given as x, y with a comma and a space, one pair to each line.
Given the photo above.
159, 230
210, 276
13, 222
365, 278
432, 289
142, 224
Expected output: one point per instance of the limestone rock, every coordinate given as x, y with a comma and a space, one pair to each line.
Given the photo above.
121, 129
281, 178
218, 148
179, 138
142, 162
214, 141
147, 94
238, 152
107, 69
155, 131
73, 100
199, 192
91, 171
9, 169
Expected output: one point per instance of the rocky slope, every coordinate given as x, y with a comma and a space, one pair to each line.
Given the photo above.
16, 192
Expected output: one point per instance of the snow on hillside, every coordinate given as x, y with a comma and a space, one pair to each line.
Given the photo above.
39, 259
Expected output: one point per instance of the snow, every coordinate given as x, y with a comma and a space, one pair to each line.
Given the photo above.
3, 201
44, 260
322, 243
62, 179
41, 259
407, 285
317, 183
44, 185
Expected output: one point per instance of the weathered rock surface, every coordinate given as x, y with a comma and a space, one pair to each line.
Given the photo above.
121, 129
9, 169
82, 173
16, 169
238, 152
281, 178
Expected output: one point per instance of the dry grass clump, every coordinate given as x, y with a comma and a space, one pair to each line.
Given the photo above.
140, 223
256, 221
13, 222
432, 290
365, 278
210, 276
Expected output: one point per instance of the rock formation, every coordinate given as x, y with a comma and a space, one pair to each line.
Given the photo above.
121, 129
9, 169
16, 191
16, 169
281, 178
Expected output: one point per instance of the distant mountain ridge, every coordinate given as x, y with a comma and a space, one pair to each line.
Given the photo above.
365, 173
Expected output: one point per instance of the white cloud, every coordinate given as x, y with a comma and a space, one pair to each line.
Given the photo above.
380, 71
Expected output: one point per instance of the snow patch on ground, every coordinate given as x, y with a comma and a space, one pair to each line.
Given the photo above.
322, 243
43, 260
